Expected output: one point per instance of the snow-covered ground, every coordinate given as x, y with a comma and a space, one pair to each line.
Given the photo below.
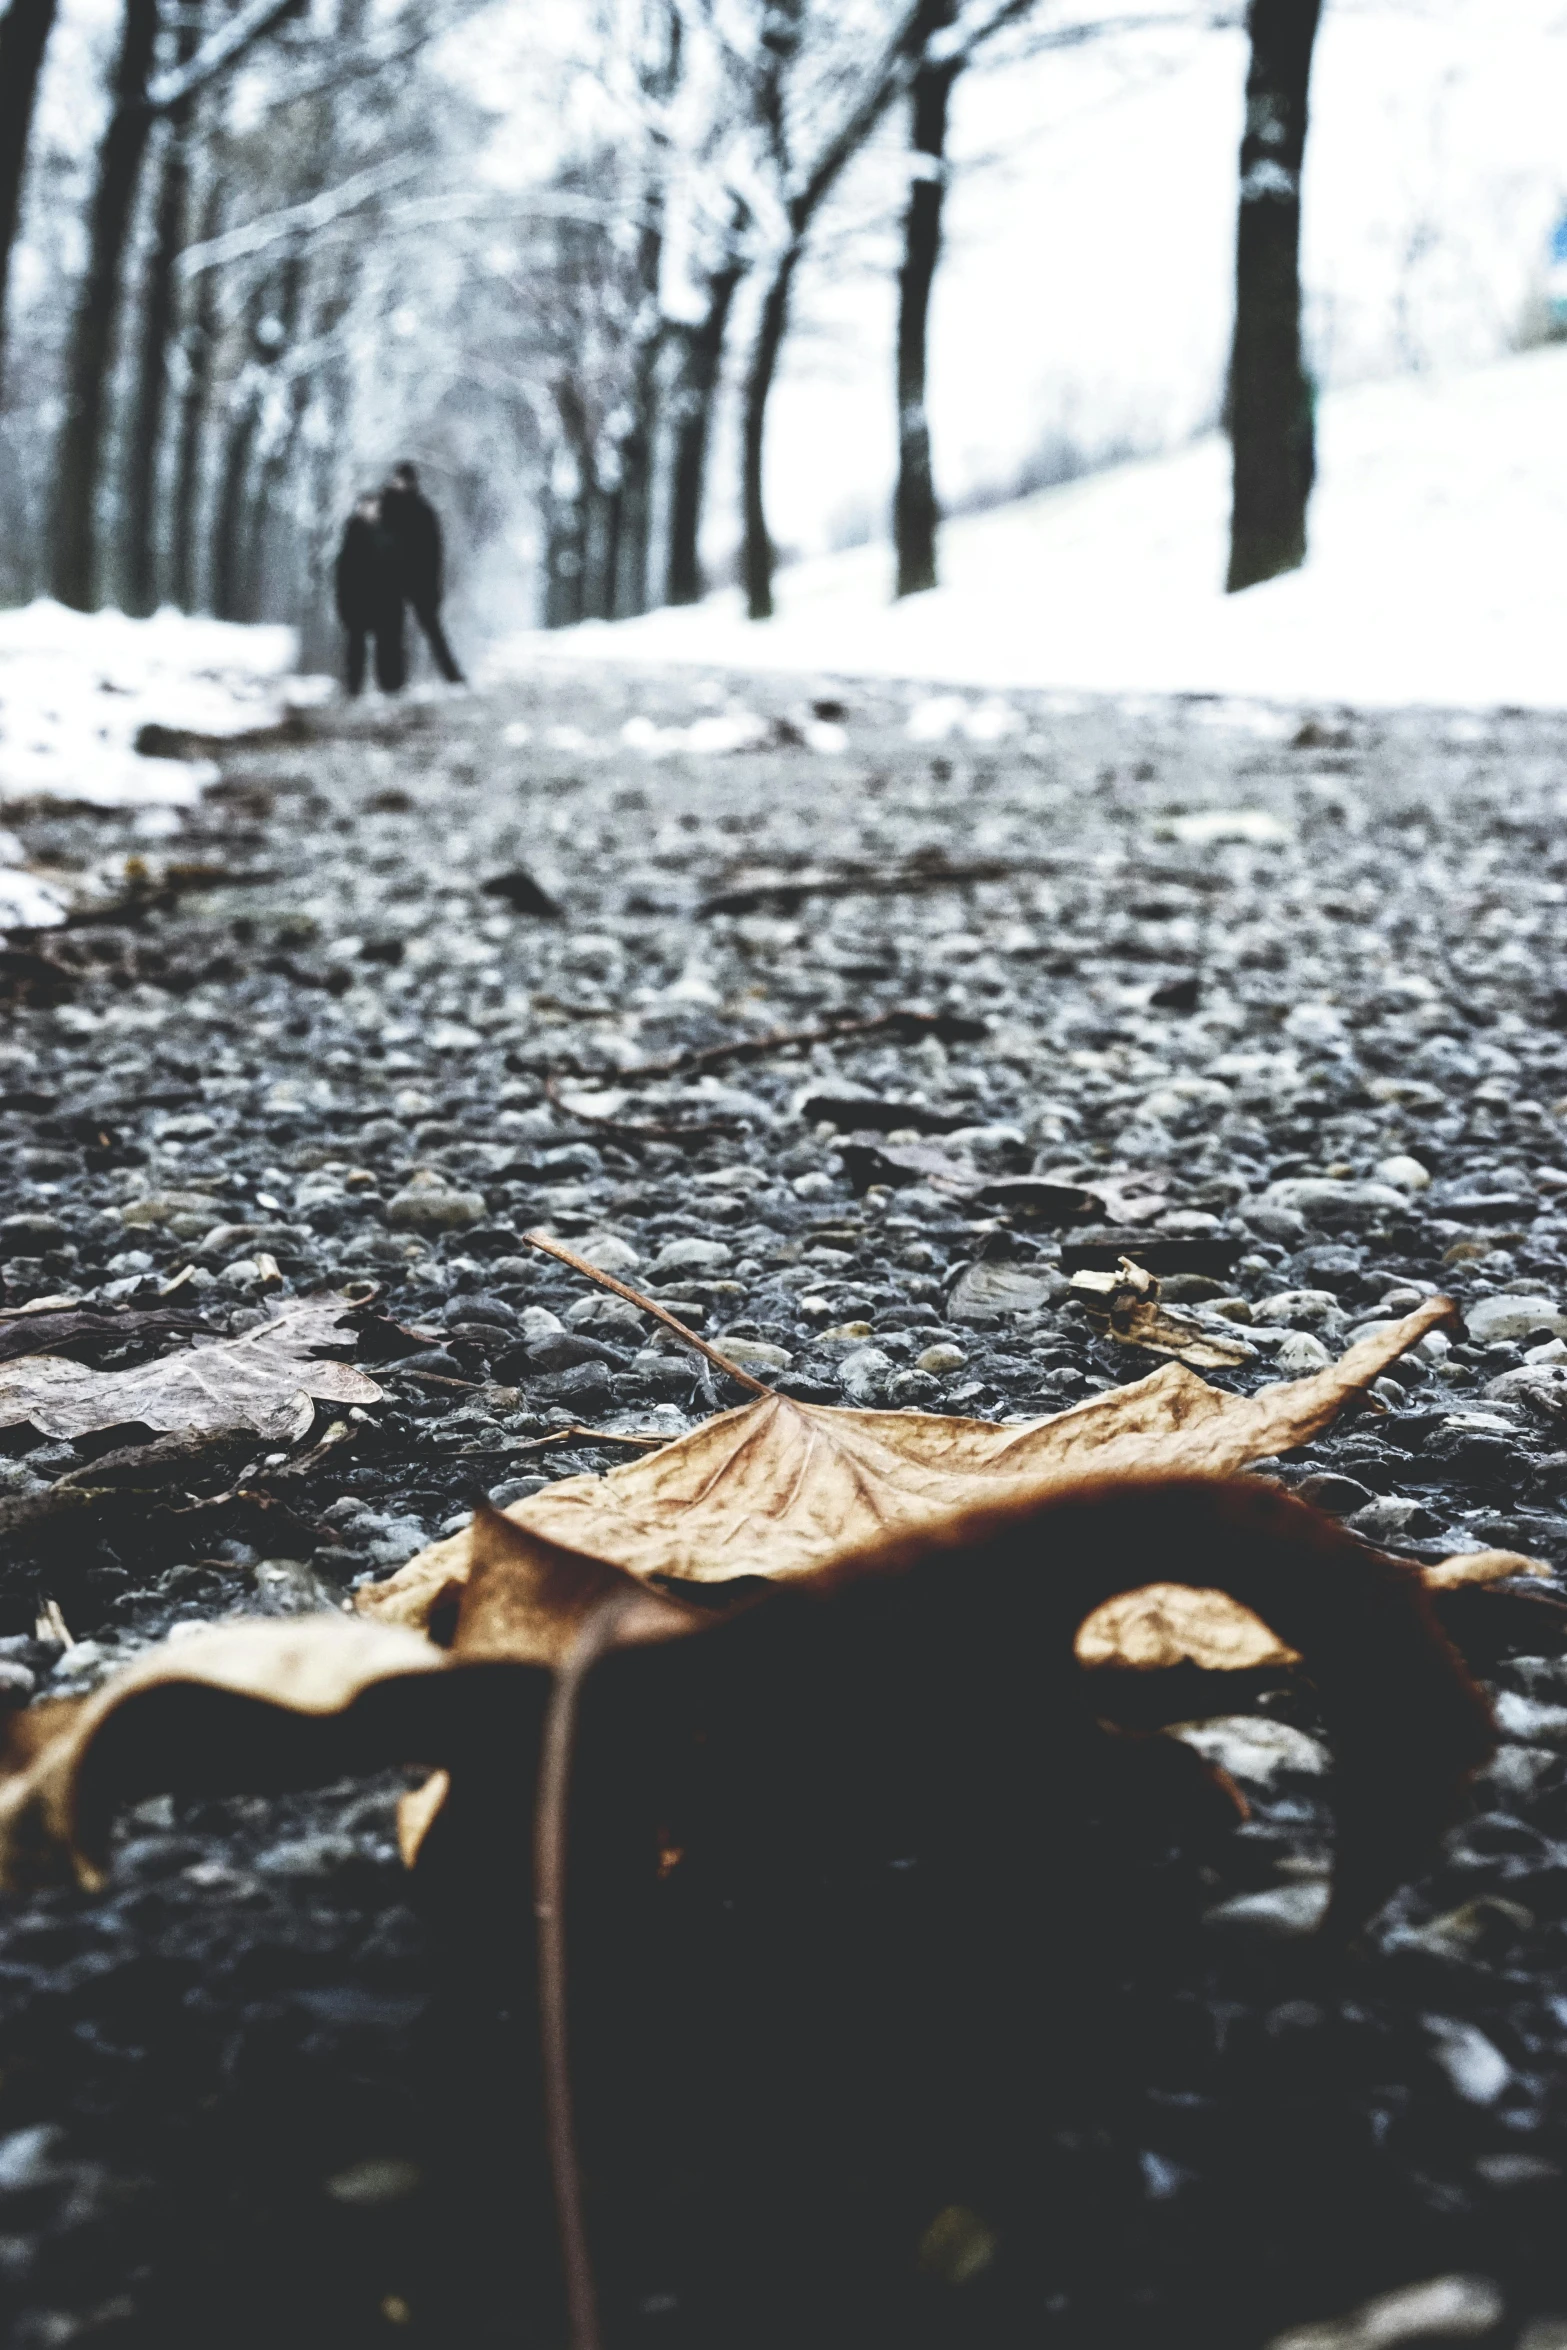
1437, 573
76, 689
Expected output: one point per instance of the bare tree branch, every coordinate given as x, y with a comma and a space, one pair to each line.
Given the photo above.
226, 47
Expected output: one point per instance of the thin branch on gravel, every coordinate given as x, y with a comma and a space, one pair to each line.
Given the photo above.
577, 1432
951, 1027
645, 1305
787, 892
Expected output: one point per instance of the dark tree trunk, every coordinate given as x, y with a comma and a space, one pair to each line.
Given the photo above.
914, 503
149, 400
79, 459
565, 559
227, 563
24, 36
629, 576
758, 555
608, 543
696, 391
1270, 398
199, 351
269, 338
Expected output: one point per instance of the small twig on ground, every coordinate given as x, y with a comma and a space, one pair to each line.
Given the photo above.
951, 1027
645, 1305
578, 1432
787, 891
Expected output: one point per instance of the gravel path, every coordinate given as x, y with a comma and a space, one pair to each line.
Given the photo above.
1308, 969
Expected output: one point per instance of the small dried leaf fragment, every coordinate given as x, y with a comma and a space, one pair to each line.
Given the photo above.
1481, 1566
779, 1489
1169, 1624
1165, 1624
1125, 1305
258, 1381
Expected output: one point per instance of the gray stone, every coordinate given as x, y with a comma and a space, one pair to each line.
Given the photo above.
1255, 1747
1491, 1319
1339, 1496
1540, 1387
1390, 1518
692, 1256
608, 1251
754, 1354
1447, 2309
187, 1214
1474, 2065
1322, 1201
1530, 1720
864, 1374
537, 1322
1300, 1354
1302, 1309
426, 1204
987, 1290
1285, 1912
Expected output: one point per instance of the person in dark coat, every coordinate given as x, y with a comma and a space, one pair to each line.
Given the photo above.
414, 529
369, 601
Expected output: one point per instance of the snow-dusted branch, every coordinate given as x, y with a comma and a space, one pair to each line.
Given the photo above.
226, 48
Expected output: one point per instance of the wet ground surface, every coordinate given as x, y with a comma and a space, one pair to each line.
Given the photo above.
1305, 969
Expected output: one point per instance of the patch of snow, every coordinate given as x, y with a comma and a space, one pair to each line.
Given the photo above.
77, 688
1435, 577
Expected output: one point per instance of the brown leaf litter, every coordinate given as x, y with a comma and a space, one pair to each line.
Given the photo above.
265, 1380
1124, 1305
767, 1649
775, 1497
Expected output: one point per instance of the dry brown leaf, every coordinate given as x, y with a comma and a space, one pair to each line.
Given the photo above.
215, 1708
1124, 1305
264, 1381
962, 1629
1170, 1624
1167, 1624
1480, 1566
782, 1489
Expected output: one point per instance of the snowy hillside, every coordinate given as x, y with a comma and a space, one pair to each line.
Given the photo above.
1438, 572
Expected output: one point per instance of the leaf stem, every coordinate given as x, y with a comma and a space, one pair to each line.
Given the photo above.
569, 1256
550, 1837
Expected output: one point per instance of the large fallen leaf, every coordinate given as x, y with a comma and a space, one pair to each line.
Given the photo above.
931, 1670
264, 1380
780, 1489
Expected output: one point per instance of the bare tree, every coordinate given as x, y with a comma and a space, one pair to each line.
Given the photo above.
24, 36
865, 91
1272, 434
691, 407
144, 434
136, 103
914, 501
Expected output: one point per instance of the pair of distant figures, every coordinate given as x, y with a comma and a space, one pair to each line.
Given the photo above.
390, 562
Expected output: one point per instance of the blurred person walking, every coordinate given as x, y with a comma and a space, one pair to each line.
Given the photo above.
369, 600
414, 530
